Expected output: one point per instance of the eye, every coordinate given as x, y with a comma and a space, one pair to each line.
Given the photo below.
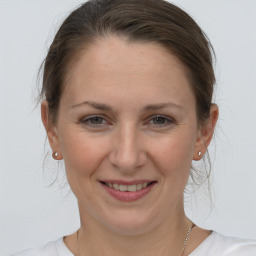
161, 121
94, 121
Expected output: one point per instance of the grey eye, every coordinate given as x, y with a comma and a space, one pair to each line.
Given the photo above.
96, 120
159, 120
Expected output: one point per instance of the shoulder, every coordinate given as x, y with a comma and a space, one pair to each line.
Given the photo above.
50, 249
218, 244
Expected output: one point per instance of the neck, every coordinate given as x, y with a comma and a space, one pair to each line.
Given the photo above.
165, 239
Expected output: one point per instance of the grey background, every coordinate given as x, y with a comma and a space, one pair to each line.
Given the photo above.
32, 213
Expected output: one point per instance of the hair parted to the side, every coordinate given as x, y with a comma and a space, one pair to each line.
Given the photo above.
137, 21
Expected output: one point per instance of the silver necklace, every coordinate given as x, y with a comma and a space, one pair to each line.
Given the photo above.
184, 246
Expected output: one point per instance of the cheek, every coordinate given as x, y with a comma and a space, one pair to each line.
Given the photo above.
173, 159
173, 154
82, 154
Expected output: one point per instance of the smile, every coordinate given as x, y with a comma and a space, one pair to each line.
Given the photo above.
130, 188
128, 191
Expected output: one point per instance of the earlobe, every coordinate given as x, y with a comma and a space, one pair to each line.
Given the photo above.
205, 133
57, 156
50, 130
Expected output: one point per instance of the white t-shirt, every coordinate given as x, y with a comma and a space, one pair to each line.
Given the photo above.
214, 245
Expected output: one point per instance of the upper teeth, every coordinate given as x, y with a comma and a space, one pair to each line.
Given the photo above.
130, 188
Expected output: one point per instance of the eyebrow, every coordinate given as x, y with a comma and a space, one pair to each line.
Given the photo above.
95, 105
102, 106
161, 106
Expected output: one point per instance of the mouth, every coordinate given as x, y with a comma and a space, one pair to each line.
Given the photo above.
129, 188
128, 191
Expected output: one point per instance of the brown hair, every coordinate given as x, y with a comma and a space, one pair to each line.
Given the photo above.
142, 21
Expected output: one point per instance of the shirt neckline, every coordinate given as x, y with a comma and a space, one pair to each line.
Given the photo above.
64, 248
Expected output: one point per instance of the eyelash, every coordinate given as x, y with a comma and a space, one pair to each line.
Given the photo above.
167, 120
88, 121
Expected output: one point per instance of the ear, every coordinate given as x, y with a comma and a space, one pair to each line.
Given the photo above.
51, 131
205, 133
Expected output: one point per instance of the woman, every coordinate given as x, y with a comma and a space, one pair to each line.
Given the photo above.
127, 104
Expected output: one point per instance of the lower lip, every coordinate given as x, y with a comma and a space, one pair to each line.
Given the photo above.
128, 196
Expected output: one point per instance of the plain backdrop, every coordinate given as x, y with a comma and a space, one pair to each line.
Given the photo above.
33, 213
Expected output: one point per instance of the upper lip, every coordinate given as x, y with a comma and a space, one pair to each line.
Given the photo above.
123, 182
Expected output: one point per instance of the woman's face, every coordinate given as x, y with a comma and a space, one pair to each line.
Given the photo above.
127, 119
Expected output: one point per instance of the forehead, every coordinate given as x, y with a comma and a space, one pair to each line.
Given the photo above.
115, 66
115, 54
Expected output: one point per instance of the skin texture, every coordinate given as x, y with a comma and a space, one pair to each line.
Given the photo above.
145, 129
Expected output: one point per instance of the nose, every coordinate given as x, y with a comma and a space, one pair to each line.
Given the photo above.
128, 153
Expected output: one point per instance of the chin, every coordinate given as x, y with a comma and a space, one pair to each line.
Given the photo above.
130, 223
